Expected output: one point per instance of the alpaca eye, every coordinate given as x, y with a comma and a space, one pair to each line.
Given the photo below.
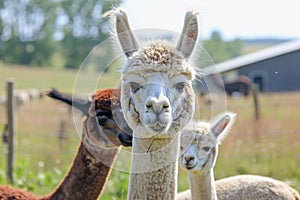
181, 148
102, 119
102, 116
134, 87
180, 87
206, 149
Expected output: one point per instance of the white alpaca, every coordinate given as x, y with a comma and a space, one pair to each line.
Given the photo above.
158, 101
250, 187
34, 94
21, 97
200, 144
3, 100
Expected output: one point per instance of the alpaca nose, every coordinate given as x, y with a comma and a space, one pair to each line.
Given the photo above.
189, 158
158, 104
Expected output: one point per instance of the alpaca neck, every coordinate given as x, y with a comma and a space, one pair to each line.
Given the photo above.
203, 185
86, 177
154, 168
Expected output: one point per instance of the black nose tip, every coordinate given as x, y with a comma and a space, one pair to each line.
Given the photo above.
125, 139
189, 158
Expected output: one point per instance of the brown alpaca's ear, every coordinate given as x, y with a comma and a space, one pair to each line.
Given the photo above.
81, 103
189, 34
126, 37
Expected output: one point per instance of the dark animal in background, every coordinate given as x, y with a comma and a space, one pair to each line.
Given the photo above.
242, 84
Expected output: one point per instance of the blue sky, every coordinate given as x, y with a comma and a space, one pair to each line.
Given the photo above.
233, 18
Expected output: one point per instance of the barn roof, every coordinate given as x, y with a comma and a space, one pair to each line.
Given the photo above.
251, 58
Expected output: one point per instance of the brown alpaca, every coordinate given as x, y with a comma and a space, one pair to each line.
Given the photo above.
88, 174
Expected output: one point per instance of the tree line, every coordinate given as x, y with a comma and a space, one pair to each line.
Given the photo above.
34, 31
63, 32
220, 49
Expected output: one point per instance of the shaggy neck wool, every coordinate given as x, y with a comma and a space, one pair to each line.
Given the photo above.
154, 175
203, 185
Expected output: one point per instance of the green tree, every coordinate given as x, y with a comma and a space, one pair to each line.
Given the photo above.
221, 50
33, 30
26, 37
84, 29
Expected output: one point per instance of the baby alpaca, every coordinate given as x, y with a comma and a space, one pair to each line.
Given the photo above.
199, 144
201, 150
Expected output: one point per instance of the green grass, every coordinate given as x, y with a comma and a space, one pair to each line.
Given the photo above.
65, 80
269, 147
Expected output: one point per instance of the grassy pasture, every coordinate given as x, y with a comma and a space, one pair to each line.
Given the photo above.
270, 146
65, 80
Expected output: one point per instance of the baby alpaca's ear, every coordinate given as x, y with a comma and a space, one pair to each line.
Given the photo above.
221, 124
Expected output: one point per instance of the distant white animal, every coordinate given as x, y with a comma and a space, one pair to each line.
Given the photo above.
34, 94
21, 97
2, 100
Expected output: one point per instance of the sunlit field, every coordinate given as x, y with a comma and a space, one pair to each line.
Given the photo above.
269, 146
64, 80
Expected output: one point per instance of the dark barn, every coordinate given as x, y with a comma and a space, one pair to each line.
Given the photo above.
275, 69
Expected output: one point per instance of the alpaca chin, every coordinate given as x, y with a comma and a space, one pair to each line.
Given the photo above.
147, 131
158, 130
157, 125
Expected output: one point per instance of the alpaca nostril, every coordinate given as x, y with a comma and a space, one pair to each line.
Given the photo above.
189, 158
165, 106
150, 102
165, 102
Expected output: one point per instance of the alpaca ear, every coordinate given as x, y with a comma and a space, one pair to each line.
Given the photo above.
189, 34
126, 37
221, 125
81, 103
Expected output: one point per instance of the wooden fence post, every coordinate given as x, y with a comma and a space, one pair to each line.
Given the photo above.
255, 92
11, 130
